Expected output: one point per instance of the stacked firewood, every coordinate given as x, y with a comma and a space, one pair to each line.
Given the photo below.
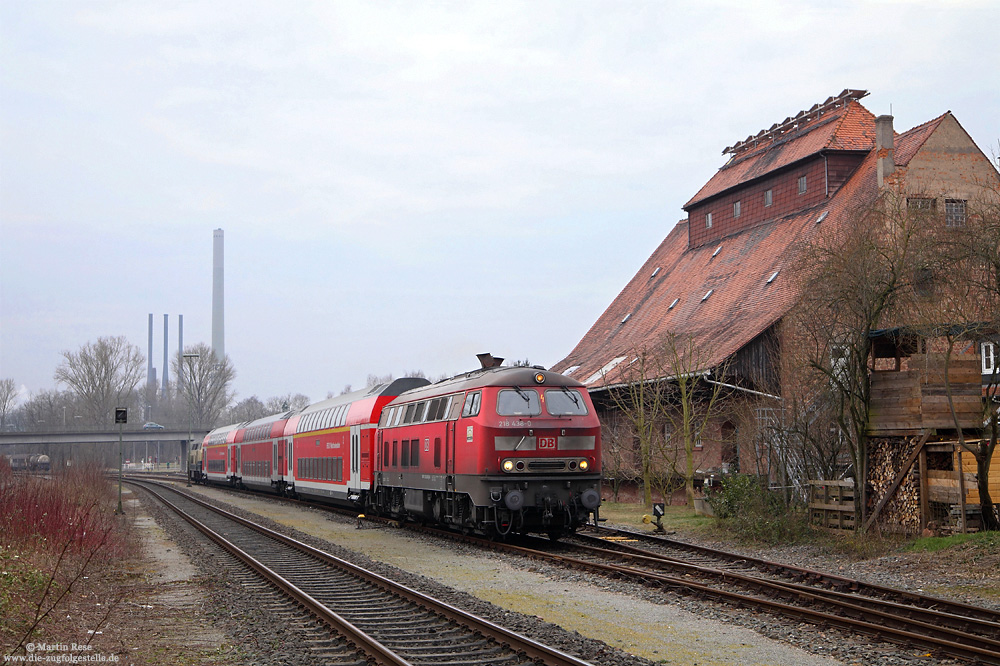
886, 456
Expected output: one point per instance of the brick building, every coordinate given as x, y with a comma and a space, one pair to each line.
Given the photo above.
723, 278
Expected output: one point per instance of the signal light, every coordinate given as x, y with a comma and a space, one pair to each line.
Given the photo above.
539, 378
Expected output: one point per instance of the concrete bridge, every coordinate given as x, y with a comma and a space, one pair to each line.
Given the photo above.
63, 446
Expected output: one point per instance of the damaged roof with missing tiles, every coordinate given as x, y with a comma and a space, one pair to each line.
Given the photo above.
722, 295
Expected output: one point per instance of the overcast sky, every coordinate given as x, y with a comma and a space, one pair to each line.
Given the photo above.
403, 185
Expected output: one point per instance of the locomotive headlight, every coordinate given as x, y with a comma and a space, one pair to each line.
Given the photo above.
584, 465
508, 465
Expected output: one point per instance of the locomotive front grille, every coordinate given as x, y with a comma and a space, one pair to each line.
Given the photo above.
546, 465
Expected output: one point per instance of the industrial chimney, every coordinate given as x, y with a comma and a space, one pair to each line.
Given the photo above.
150, 377
166, 354
218, 296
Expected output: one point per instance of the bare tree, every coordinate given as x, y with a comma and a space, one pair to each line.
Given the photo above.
961, 305
204, 383
8, 397
248, 409
659, 389
283, 403
618, 459
852, 285
103, 374
695, 401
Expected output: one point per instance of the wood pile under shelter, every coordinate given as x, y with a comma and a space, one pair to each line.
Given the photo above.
919, 477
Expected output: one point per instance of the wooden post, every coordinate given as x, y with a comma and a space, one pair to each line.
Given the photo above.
924, 491
961, 489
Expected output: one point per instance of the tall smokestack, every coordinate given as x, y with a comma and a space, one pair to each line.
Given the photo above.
218, 296
150, 377
166, 357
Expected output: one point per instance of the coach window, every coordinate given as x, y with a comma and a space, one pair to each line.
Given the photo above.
418, 414
414, 452
404, 459
385, 453
398, 416
395, 448
518, 402
409, 413
471, 407
437, 451
432, 410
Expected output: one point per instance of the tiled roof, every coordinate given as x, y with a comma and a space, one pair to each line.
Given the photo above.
743, 302
907, 144
849, 127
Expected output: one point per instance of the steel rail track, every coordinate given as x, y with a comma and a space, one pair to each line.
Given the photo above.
943, 618
937, 624
499, 645
800, 574
792, 602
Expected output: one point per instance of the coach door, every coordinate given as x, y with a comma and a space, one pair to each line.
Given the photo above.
355, 483
279, 461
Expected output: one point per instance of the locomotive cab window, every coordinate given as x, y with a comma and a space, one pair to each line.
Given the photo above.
565, 402
471, 407
518, 402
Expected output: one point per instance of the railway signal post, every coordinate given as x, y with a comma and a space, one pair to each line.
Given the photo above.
121, 418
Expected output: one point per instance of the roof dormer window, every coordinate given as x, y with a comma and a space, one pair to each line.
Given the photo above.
708, 220
736, 209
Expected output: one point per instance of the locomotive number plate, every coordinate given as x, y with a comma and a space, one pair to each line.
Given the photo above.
546, 442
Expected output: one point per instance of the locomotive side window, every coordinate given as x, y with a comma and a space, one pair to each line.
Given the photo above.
432, 409
471, 407
404, 459
395, 448
518, 402
414, 452
437, 451
385, 453
565, 402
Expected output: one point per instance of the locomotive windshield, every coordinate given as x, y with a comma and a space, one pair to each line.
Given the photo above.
518, 402
565, 402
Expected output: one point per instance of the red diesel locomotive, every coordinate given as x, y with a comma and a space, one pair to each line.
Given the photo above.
495, 451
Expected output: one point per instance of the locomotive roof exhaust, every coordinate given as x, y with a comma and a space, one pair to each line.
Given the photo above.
488, 360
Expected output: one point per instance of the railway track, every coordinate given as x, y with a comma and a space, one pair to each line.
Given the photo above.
943, 627
379, 620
